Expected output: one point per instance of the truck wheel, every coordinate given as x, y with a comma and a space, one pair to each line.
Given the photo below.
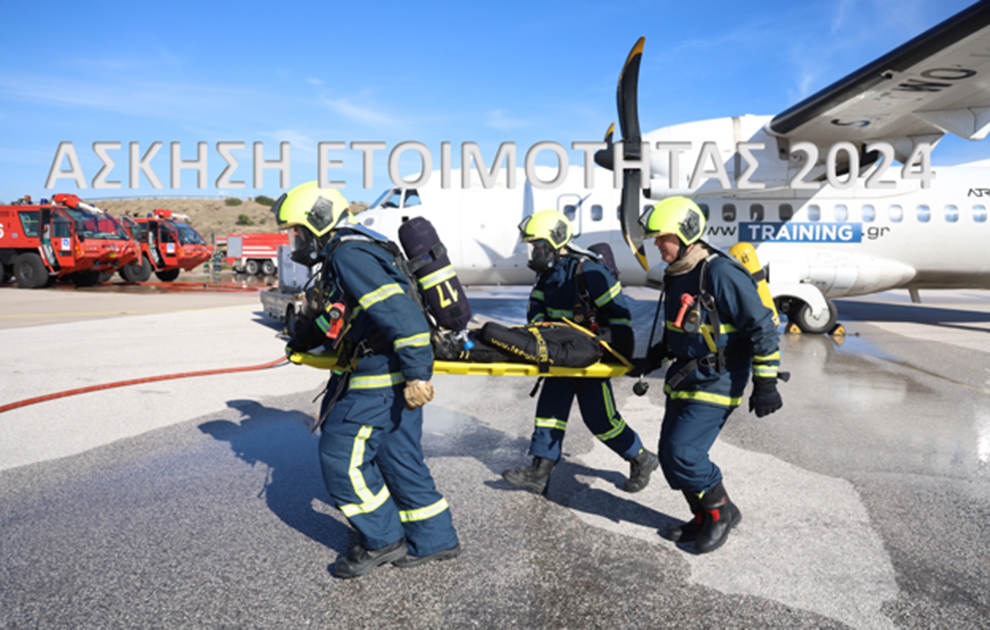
30, 272
167, 275
812, 325
137, 272
268, 268
85, 278
251, 267
105, 276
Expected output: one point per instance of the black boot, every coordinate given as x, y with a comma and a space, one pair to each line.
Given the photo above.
640, 469
686, 532
720, 516
358, 560
535, 478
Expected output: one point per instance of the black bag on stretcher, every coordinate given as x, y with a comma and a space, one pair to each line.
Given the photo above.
429, 262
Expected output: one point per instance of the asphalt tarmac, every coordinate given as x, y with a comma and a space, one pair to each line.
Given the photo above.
197, 502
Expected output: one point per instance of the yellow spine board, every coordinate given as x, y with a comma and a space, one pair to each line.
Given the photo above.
328, 361
746, 255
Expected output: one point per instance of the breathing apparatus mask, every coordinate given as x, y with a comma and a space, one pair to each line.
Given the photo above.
542, 256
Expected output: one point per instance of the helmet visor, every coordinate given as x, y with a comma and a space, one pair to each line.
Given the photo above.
303, 244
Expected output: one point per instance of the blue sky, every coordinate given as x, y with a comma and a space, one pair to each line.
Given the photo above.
431, 72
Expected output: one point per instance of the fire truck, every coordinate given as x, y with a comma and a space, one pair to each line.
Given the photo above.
64, 238
254, 253
168, 244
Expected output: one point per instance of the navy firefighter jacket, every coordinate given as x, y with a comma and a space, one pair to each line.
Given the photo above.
747, 334
363, 275
555, 295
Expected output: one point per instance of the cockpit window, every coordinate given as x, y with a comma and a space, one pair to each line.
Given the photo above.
393, 197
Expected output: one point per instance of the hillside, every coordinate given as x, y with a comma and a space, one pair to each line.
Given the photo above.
208, 216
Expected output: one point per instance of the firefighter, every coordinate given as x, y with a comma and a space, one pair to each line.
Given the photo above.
372, 417
576, 284
717, 331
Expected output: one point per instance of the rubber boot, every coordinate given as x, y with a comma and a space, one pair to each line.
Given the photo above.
640, 469
720, 516
688, 531
535, 477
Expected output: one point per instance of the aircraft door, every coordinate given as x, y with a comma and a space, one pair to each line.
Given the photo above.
570, 206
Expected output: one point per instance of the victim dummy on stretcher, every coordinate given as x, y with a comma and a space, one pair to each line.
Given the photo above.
545, 349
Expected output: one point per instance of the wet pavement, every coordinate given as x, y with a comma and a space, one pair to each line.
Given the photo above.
198, 502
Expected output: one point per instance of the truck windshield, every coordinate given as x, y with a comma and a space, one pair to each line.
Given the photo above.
93, 225
187, 235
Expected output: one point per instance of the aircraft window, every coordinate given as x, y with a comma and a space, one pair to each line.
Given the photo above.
841, 213
869, 213
980, 214
570, 211
924, 214
596, 212
729, 212
896, 213
412, 198
951, 213
756, 212
786, 211
814, 213
704, 210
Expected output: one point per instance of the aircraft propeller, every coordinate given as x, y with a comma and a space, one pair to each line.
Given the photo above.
626, 95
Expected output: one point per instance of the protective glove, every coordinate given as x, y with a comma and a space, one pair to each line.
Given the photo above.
765, 398
417, 393
289, 351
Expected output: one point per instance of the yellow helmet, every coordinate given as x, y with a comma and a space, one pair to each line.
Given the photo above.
674, 215
549, 225
320, 210
310, 213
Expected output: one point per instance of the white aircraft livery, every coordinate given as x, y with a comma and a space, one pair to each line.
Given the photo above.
837, 193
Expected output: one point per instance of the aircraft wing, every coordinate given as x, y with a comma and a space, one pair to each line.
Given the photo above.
937, 83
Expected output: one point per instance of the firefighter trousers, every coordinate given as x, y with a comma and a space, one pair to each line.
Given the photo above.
373, 468
597, 405
688, 432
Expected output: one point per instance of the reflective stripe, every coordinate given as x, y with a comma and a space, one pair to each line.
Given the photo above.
551, 423
536, 295
717, 399
378, 380
369, 299
606, 297
369, 500
438, 276
558, 313
322, 322
410, 516
765, 371
415, 341
612, 415
767, 358
723, 328
620, 322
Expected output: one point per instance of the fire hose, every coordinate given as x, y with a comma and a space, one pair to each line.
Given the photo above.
137, 381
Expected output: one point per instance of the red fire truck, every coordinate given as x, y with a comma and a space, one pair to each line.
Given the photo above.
66, 238
168, 244
254, 253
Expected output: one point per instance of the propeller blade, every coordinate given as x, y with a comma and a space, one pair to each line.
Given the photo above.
632, 231
604, 157
626, 95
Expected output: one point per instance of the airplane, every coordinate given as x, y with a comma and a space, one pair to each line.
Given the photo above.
815, 188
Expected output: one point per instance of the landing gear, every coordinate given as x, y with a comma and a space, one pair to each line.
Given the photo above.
799, 313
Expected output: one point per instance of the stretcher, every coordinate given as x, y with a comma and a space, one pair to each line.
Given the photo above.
328, 361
